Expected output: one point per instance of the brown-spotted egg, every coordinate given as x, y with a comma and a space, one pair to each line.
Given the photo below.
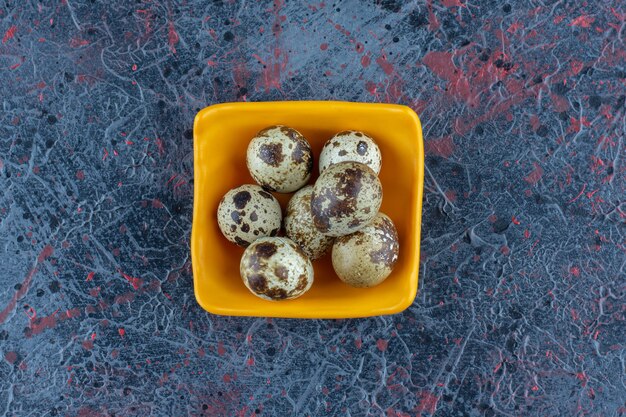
367, 257
351, 145
280, 159
247, 213
300, 228
345, 198
275, 268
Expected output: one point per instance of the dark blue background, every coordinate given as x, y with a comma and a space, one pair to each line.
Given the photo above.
520, 310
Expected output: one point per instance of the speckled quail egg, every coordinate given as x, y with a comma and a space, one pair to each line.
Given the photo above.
299, 225
280, 159
275, 268
346, 197
367, 257
247, 213
351, 145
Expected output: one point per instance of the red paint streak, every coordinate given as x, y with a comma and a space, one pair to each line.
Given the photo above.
124, 298
324, 46
172, 37
220, 349
343, 30
534, 122
241, 75
382, 344
576, 124
80, 175
77, 42
9, 34
146, 23
514, 220
452, 3
575, 271
560, 103
514, 27
121, 331
441, 64
272, 72
384, 64
31, 313
10, 357
46, 252
17, 65
358, 342
39, 325
458, 83
250, 361
428, 402
90, 276
135, 282
160, 147
70, 314
433, 23
365, 60
535, 175
497, 367
577, 66
443, 147
583, 21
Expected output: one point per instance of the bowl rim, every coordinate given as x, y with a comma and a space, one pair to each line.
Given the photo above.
396, 308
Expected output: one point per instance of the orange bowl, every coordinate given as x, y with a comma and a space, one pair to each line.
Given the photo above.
221, 136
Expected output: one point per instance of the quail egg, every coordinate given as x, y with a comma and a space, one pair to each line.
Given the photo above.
367, 257
275, 268
345, 198
351, 145
300, 228
247, 213
280, 159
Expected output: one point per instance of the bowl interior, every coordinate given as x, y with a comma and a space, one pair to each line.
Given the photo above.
221, 136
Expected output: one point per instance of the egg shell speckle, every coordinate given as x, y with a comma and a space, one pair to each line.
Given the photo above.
275, 268
351, 145
280, 159
247, 213
346, 197
367, 257
300, 228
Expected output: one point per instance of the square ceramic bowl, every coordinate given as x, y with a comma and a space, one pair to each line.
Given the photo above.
221, 136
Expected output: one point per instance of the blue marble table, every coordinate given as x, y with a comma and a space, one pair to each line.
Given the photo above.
521, 305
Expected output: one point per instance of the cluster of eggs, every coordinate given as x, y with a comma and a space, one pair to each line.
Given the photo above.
341, 210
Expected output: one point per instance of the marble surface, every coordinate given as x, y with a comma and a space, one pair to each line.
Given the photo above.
520, 310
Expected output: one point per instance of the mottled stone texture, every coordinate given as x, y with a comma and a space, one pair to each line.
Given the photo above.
520, 310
